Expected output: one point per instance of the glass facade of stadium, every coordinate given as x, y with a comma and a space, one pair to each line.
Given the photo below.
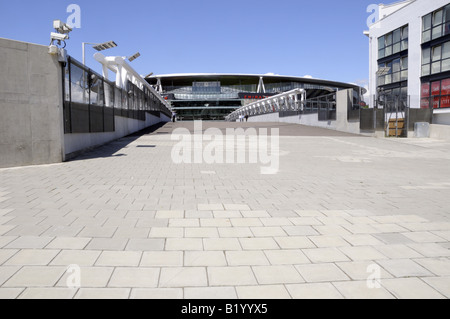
214, 96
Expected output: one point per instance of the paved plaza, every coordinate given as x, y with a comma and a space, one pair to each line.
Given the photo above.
346, 216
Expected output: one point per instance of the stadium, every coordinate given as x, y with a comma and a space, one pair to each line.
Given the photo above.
214, 96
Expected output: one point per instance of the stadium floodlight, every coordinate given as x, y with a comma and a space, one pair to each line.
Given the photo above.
134, 57
98, 47
148, 75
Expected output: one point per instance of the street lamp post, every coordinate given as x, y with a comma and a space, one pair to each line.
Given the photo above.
97, 46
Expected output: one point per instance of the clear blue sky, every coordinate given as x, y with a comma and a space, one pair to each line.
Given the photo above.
322, 38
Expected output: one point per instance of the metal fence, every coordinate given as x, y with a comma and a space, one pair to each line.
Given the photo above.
91, 102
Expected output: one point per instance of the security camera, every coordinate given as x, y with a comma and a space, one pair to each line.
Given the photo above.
61, 27
58, 36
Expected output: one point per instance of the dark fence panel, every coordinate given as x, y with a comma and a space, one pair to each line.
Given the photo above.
419, 115
80, 117
91, 102
367, 121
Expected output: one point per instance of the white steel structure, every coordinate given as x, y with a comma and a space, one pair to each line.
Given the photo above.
289, 101
124, 73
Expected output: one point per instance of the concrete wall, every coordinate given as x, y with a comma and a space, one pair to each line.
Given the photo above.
76, 143
31, 115
31, 110
440, 131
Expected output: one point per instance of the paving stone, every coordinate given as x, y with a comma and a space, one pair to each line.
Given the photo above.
10, 293
5, 240
438, 266
321, 272
204, 258
410, 288
328, 241
441, 284
404, 268
103, 293
325, 255
90, 277
170, 214
6, 254
68, 243
113, 244
215, 222
286, 257
267, 275
75, 257
430, 250
166, 232
98, 231
268, 231
399, 251
183, 277
136, 244
294, 242
258, 243
48, 293
181, 222
221, 244
246, 258
210, 293
32, 257
362, 253
119, 258
300, 230
157, 293
361, 270
29, 242
201, 232
314, 291
263, 292
231, 276
6, 272
245, 222
392, 239
162, 259
424, 237
360, 290
131, 277
210, 207
35, 276
184, 244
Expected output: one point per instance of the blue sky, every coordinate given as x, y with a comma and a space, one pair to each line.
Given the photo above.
321, 38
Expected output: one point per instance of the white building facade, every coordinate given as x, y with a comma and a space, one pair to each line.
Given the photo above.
410, 42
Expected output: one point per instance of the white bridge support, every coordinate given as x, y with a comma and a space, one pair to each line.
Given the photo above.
124, 73
289, 101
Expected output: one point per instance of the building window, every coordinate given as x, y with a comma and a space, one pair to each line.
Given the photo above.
436, 24
436, 59
393, 42
398, 71
435, 94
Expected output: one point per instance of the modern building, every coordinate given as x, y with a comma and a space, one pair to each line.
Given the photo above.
410, 56
214, 96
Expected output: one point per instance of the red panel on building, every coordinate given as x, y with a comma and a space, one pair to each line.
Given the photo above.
436, 102
445, 101
445, 87
425, 92
436, 88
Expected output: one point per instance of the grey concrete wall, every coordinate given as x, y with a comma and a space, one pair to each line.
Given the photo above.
31, 129
74, 143
440, 131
